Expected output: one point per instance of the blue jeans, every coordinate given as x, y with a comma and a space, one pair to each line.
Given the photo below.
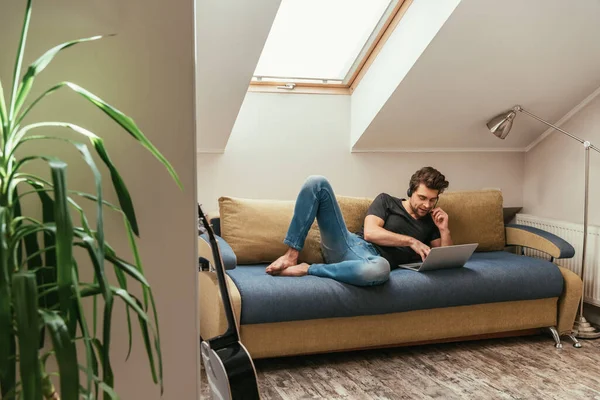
348, 257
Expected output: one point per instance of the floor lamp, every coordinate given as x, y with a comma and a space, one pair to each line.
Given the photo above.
500, 125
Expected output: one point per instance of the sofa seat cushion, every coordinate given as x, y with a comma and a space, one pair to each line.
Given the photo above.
488, 277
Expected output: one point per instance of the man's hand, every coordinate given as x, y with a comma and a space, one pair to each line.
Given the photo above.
440, 218
420, 248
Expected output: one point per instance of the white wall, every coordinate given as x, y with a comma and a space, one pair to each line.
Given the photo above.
230, 37
554, 170
147, 71
279, 139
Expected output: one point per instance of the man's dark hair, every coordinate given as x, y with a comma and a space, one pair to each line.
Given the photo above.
430, 177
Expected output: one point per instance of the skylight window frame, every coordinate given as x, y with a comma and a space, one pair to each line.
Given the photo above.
312, 85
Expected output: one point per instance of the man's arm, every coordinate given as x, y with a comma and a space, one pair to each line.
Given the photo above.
444, 240
374, 232
440, 218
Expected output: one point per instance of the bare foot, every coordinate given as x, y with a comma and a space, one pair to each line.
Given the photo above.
295, 270
287, 260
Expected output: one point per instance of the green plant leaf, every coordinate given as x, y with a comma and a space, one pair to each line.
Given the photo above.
38, 66
19, 60
92, 363
66, 354
88, 231
83, 195
7, 343
47, 275
118, 183
91, 197
97, 255
18, 218
147, 295
99, 209
121, 267
128, 124
105, 388
64, 242
123, 120
123, 284
125, 267
24, 290
9, 381
145, 327
108, 390
157, 345
98, 345
36, 255
34, 103
74, 204
138, 260
3, 115
33, 252
25, 230
88, 244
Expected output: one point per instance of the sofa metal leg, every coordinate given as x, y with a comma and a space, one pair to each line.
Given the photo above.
576, 343
556, 337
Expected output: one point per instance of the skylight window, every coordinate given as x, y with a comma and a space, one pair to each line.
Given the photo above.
322, 41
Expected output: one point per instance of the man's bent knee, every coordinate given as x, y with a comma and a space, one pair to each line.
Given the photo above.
316, 181
375, 271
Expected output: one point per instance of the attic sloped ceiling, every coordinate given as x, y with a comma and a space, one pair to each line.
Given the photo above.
488, 56
230, 36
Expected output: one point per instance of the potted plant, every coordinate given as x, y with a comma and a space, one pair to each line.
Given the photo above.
41, 292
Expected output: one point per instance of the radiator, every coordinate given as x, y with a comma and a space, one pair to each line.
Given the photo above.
572, 233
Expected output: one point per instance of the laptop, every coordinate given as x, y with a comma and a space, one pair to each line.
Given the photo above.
444, 257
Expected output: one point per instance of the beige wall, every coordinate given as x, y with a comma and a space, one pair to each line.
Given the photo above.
279, 139
554, 170
147, 71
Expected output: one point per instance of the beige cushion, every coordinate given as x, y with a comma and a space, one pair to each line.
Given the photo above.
354, 210
255, 229
475, 217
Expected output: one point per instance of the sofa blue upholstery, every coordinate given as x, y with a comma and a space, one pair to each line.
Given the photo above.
216, 225
488, 277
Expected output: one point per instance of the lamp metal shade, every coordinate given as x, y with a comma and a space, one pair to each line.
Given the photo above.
501, 124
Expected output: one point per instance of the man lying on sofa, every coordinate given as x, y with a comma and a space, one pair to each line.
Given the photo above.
395, 231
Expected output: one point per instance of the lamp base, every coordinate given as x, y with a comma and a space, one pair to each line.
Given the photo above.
585, 330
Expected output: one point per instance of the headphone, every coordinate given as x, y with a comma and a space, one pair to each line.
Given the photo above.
409, 193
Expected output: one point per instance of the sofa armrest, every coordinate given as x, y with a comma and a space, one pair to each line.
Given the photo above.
213, 321
568, 302
527, 236
227, 254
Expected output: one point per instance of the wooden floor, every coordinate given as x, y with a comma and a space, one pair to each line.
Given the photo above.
511, 368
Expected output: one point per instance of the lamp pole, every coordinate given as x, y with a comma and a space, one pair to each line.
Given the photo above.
583, 329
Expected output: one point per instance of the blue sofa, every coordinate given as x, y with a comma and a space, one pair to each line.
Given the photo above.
497, 293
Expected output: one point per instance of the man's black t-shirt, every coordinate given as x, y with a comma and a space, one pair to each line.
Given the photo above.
398, 220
